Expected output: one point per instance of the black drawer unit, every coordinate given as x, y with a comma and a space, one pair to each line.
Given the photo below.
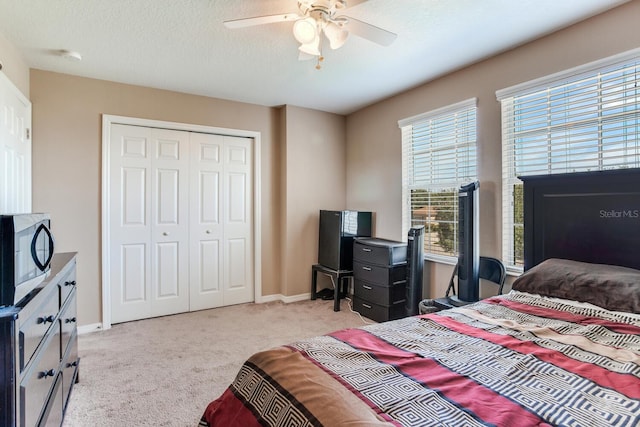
380, 278
373, 250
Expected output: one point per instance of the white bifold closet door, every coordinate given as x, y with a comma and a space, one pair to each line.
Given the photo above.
180, 221
221, 221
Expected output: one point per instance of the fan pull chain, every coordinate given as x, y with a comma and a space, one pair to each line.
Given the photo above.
320, 57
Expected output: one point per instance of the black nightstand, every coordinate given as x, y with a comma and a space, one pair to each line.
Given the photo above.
340, 279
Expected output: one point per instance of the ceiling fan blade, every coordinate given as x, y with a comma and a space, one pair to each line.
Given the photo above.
369, 32
261, 20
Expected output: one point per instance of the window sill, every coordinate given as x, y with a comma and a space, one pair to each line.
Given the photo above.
442, 259
514, 271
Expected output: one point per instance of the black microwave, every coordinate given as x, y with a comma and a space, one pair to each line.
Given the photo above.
26, 249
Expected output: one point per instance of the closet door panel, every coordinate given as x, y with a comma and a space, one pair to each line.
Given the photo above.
206, 230
148, 222
129, 223
237, 220
170, 218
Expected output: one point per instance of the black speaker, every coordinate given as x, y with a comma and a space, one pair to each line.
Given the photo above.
468, 249
337, 231
415, 267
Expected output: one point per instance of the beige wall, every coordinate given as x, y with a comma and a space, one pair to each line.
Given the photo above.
67, 171
314, 166
13, 66
373, 137
67, 161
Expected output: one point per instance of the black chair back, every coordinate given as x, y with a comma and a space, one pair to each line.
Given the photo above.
490, 269
493, 270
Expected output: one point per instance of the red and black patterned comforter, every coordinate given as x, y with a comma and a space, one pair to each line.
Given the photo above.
515, 360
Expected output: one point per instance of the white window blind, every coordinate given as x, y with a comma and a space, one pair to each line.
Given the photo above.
438, 156
586, 119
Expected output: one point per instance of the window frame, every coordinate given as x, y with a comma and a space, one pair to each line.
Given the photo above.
408, 160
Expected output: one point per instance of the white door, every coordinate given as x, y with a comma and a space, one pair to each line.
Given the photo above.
148, 222
181, 221
15, 149
221, 221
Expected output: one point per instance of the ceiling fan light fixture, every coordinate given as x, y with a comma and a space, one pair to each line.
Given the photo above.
315, 17
312, 48
336, 34
305, 30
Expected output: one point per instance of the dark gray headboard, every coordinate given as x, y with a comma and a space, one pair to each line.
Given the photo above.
590, 217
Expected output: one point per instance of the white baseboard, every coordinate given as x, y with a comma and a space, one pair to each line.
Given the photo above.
87, 329
285, 299
95, 327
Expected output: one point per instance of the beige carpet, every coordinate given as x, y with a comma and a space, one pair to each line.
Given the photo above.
164, 371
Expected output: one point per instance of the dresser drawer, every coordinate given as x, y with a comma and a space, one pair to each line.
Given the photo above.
34, 328
68, 321
377, 294
377, 312
379, 275
53, 412
69, 368
67, 285
372, 250
36, 386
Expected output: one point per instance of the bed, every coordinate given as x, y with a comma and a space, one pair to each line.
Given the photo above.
562, 348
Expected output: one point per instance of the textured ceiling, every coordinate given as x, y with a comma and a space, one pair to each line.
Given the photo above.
182, 45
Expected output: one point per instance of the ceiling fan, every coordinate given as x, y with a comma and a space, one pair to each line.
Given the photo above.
317, 17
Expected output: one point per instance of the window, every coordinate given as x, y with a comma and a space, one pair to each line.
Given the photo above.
438, 156
585, 119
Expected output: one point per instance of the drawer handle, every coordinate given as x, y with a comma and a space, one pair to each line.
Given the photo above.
366, 305
366, 268
72, 364
367, 287
45, 374
71, 283
70, 320
45, 319
366, 250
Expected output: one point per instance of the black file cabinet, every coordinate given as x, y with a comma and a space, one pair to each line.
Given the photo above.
380, 278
